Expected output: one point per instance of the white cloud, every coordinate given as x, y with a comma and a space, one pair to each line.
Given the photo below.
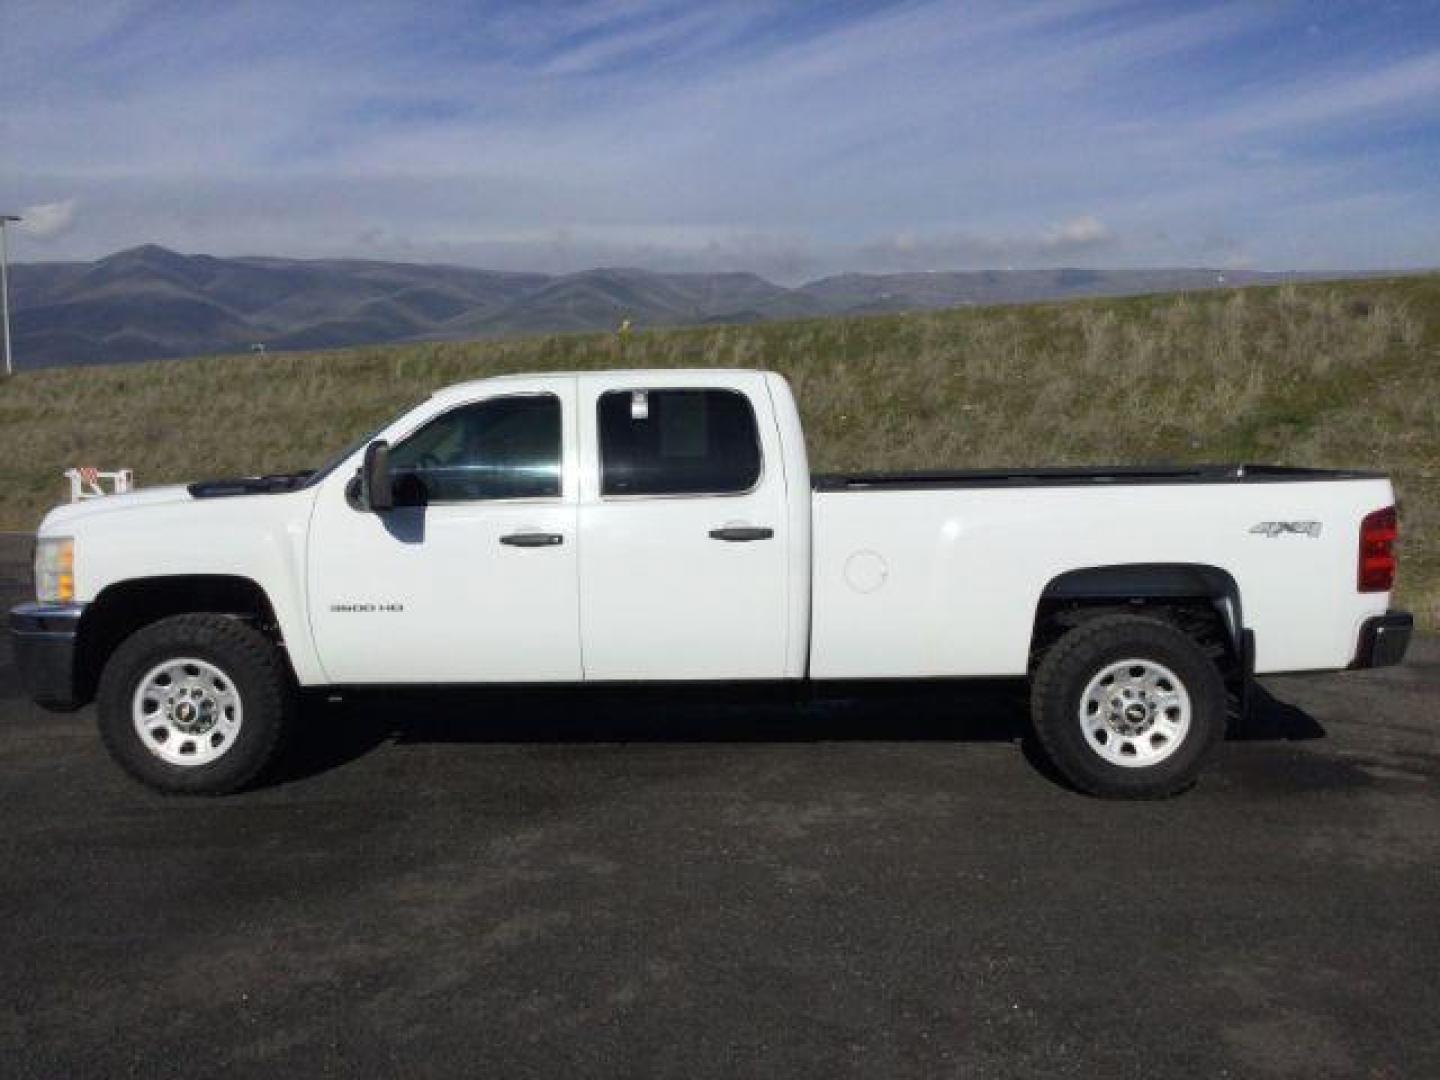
1413, 83
959, 250
670, 35
45, 221
1078, 234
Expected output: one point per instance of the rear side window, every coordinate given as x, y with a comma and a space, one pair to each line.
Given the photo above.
677, 442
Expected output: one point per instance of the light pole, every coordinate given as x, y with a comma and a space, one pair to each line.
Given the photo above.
5, 219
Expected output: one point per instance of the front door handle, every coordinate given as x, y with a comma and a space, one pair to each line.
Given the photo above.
535, 539
739, 534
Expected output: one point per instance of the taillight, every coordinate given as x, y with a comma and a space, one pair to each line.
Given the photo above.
1378, 531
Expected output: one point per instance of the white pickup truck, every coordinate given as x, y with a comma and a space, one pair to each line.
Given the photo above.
639, 526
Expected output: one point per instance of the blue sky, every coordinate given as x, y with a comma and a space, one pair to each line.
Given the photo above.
788, 138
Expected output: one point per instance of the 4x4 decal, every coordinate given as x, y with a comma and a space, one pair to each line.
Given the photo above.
1273, 529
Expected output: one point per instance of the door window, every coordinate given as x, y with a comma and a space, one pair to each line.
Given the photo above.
677, 442
501, 448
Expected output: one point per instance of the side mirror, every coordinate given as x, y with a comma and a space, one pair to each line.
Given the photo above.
377, 492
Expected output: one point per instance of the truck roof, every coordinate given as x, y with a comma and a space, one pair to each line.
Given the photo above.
471, 384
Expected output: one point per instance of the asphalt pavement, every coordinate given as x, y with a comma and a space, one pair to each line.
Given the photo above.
651, 884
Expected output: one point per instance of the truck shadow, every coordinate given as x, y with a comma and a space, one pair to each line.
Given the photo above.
331, 734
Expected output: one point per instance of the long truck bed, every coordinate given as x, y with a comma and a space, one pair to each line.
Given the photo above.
940, 574
1071, 476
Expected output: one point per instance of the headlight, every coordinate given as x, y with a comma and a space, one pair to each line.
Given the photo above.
55, 569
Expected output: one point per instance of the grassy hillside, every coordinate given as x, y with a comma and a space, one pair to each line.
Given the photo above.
1343, 374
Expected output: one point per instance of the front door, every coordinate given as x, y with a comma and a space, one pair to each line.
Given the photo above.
473, 576
684, 538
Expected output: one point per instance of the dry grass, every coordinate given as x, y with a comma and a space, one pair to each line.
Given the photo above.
1337, 374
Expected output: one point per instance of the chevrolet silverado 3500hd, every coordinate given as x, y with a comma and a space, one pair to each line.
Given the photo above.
658, 525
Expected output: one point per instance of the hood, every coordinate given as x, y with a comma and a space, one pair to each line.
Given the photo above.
67, 515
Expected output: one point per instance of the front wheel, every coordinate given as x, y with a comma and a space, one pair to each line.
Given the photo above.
1128, 706
194, 704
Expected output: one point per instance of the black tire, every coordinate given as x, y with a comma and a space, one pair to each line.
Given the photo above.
244, 655
1058, 690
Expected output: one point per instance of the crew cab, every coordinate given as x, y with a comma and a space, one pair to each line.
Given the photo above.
663, 525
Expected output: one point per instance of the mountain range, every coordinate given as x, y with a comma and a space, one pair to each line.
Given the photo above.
149, 303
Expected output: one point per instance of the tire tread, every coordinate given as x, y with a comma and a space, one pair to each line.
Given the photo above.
1093, 637
268, 701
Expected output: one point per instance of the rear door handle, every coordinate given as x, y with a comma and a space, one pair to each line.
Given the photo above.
739, 534
535, 539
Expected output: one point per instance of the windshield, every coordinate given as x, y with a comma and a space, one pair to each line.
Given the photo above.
334, 462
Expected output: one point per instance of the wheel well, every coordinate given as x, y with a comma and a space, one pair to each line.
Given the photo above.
125, 607
1202, 601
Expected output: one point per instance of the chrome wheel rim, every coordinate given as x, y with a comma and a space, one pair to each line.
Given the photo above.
187, 712
1135, 713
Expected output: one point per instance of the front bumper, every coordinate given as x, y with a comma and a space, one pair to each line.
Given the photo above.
1384, 639
44, 639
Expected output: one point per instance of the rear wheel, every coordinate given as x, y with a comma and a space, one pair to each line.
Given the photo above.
194, 704
1128, 706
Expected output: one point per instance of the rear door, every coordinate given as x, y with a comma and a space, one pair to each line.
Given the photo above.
683, 568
